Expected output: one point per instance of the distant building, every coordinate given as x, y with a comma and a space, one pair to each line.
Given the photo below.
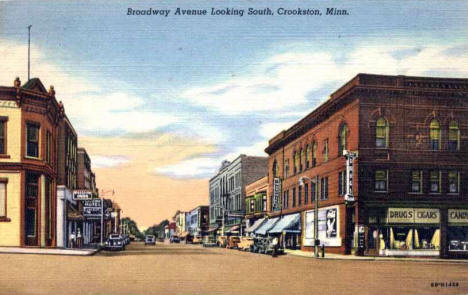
227, 192
256, 203
197, 221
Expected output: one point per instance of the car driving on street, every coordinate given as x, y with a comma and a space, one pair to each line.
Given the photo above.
115, 242
150, 240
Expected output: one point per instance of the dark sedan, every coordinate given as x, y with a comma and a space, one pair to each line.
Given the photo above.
115, 242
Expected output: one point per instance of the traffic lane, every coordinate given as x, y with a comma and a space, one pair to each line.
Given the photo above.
139, 248
218, 271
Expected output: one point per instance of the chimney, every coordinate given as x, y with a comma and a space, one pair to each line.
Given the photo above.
17, 82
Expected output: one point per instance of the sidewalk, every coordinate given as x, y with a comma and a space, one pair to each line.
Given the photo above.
48, 251
372, 258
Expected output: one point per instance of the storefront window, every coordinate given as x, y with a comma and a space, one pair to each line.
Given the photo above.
435, 181
410, 238
453, 179
458, 238
381, 180
416, 181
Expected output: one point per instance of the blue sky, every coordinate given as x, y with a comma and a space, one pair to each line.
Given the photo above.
226, 82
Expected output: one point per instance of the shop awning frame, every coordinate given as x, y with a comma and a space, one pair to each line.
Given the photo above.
289, 223
265, 227
256, 225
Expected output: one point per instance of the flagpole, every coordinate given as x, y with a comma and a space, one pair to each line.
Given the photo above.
29, 51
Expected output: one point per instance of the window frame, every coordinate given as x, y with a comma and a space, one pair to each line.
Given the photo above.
38, 126
457, 182
385, 190
323, 189
454, 128
5, 218
342, 139
432, 130
421, 182
4, 140
385, 130
325, 150
439, 182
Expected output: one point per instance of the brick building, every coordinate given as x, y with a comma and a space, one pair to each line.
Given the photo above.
256, 203
410, 184
29, 115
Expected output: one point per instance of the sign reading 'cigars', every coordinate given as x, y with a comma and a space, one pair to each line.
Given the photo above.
413, 215
458, 215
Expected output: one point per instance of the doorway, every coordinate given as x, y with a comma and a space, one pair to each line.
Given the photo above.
31, 216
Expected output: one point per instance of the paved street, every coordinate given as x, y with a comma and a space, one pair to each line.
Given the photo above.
192, 269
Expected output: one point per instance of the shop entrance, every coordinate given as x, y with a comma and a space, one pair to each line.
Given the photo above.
31, 215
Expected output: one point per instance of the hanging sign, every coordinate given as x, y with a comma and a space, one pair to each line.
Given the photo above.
458, 215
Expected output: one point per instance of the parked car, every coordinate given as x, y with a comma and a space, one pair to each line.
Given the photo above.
115, 242
197, 240
209, 241
150, 240
126, 239
222, 241
175, 239
232, 242
245, 243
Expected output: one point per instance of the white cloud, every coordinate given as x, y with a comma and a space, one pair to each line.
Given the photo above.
89, 107
99, 161
192, 168
283, 81
269, 130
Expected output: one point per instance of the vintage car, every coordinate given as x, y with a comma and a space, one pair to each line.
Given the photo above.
115, 242
222, 241
150, 240
174, 239
232, 242
197, 240
245, 243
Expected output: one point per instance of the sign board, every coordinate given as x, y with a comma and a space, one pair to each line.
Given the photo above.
413, 215
276, 194
79, 195
458, 216
92, 203
361, 237
92, 212
350, 156
328, 229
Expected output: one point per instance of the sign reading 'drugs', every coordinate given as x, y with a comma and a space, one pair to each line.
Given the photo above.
413, 215
82, 195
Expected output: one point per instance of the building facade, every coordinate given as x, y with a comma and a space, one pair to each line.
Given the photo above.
410, 177
197, 221
256, 203
227, 192
29, 117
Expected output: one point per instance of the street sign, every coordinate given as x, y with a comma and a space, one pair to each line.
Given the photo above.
91, 203
79, 195
350, 156
276, 193
92, 212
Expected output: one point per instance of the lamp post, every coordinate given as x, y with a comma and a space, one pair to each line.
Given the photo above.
316, 204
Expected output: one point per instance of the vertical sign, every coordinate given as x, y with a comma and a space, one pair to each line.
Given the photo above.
350, 156
276, 193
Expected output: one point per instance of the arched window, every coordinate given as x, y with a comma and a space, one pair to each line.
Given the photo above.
342, 136
296, 162
381, 133
435, 135
307, 157
301, 160
314, 153
275, 169
454, 136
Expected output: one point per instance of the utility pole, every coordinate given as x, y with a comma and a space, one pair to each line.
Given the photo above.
29, 51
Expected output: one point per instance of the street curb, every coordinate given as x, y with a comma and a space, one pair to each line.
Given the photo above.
39, 251
382, 259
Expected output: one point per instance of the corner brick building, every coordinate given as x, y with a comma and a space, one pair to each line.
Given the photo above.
410, 176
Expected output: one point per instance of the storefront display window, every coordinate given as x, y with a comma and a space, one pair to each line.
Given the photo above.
406, 238
458, 238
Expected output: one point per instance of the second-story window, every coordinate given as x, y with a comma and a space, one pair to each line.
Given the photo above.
314, 153
294, 197
324, 188
416, 181
296, 162
454, 181
48, 146
434, 135
275, 169
381, 133
454, 136
434, 178
32, 140
299, 195
342, 139
306, 194
313, 191
342, 183
286, 168
307, 157
325, 150
3, 135
381, 180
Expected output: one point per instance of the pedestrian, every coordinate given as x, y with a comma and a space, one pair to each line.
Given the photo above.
72, 240
79, 239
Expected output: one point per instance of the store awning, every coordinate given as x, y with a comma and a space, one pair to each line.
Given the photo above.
263, 229
212, 229
74, 214
288, 223
233, 229
256, 224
